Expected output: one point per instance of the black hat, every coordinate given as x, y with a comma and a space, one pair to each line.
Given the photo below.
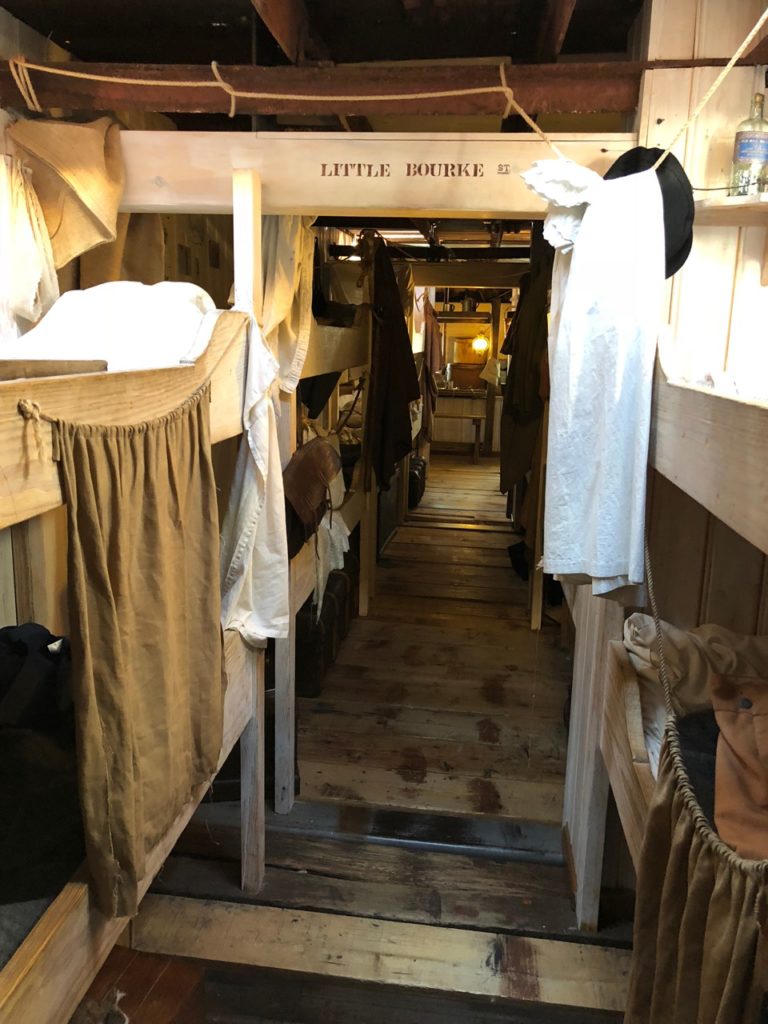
677, 196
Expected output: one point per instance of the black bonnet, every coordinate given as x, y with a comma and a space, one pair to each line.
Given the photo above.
677, 196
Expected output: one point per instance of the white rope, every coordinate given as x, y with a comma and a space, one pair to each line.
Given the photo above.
713, 88
20, 68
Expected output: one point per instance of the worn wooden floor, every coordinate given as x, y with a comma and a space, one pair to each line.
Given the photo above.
169, 990
431, 781
442, 699
460, 490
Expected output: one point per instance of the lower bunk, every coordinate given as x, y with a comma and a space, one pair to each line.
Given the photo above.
51, 969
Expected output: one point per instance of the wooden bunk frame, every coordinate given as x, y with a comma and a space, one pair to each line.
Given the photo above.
622, 744
52, 968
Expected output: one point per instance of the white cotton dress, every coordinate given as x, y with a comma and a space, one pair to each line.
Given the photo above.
607, 288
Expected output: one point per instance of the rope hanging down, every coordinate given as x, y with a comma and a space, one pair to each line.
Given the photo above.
20, 68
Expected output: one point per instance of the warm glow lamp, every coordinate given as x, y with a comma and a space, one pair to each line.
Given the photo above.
480, 343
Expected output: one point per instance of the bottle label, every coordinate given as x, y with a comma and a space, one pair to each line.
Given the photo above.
751, 146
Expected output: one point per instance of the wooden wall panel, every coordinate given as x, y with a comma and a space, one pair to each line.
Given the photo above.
733, 583
7, 592
678, 537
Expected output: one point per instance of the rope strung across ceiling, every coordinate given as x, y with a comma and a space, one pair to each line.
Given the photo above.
20, 68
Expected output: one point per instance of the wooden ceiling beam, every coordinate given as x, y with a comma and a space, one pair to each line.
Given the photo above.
555, 88
288, 22
554, 25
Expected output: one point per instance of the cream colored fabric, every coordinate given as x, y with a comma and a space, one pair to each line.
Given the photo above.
146, 642
287, 246
77, 173
137, 254
254, 549
28, 283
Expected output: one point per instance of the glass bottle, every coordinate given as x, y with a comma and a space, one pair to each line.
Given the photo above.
749, 171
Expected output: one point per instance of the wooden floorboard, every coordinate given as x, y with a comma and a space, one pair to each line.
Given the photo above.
486, 963
444, 663
388, 882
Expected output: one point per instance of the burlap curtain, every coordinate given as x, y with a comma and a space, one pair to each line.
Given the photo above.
696, 958
146, 641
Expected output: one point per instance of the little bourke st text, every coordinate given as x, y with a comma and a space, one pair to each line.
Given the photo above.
408, 170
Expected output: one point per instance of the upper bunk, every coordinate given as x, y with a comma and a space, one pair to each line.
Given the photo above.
715, 448
31, 484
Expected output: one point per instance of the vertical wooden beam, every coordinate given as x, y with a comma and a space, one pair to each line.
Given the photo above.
40, 570
249, 297
7, 586
285, 717
492, 389
252, 811
246, 225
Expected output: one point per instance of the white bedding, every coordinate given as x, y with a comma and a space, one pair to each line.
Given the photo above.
132, 326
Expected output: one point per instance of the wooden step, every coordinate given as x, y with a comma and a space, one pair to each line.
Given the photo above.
486, 963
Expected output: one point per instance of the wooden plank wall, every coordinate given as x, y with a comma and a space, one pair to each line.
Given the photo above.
716, 300
705, 571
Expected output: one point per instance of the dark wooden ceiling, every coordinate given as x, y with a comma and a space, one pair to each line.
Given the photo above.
230, 31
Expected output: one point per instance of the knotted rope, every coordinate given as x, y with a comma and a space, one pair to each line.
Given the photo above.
20, 68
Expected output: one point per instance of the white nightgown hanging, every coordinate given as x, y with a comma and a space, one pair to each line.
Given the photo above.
606, 296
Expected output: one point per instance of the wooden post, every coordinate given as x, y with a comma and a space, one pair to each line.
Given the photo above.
249, 297
537, 579
285, 718
492, 389
252, 812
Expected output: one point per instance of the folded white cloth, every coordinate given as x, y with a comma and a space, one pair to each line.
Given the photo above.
132, 326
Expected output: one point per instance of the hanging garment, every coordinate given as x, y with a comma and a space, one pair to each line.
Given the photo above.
433, 363
523, 404
254, 548
28, 282
606, 297
394, 384
287, 247
146, 641
78, 175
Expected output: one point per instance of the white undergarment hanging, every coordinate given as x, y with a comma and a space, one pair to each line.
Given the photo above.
607, 288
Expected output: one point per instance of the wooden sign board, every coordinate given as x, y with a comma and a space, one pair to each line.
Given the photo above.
419, 175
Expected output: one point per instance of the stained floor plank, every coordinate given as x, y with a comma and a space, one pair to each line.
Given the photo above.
442, 699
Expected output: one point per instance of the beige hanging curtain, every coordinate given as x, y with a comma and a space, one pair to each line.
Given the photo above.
697, 933
146, 642
699, 947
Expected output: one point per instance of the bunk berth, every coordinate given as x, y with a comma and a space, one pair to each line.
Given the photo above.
331, 350
51, 969
694, 429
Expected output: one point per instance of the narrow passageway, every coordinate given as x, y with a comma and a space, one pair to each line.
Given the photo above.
442, 699
424, 849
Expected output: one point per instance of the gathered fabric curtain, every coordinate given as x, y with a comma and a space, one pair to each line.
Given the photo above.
699, 954
146, 640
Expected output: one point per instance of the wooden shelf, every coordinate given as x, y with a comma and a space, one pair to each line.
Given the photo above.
714, 448
733, 211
